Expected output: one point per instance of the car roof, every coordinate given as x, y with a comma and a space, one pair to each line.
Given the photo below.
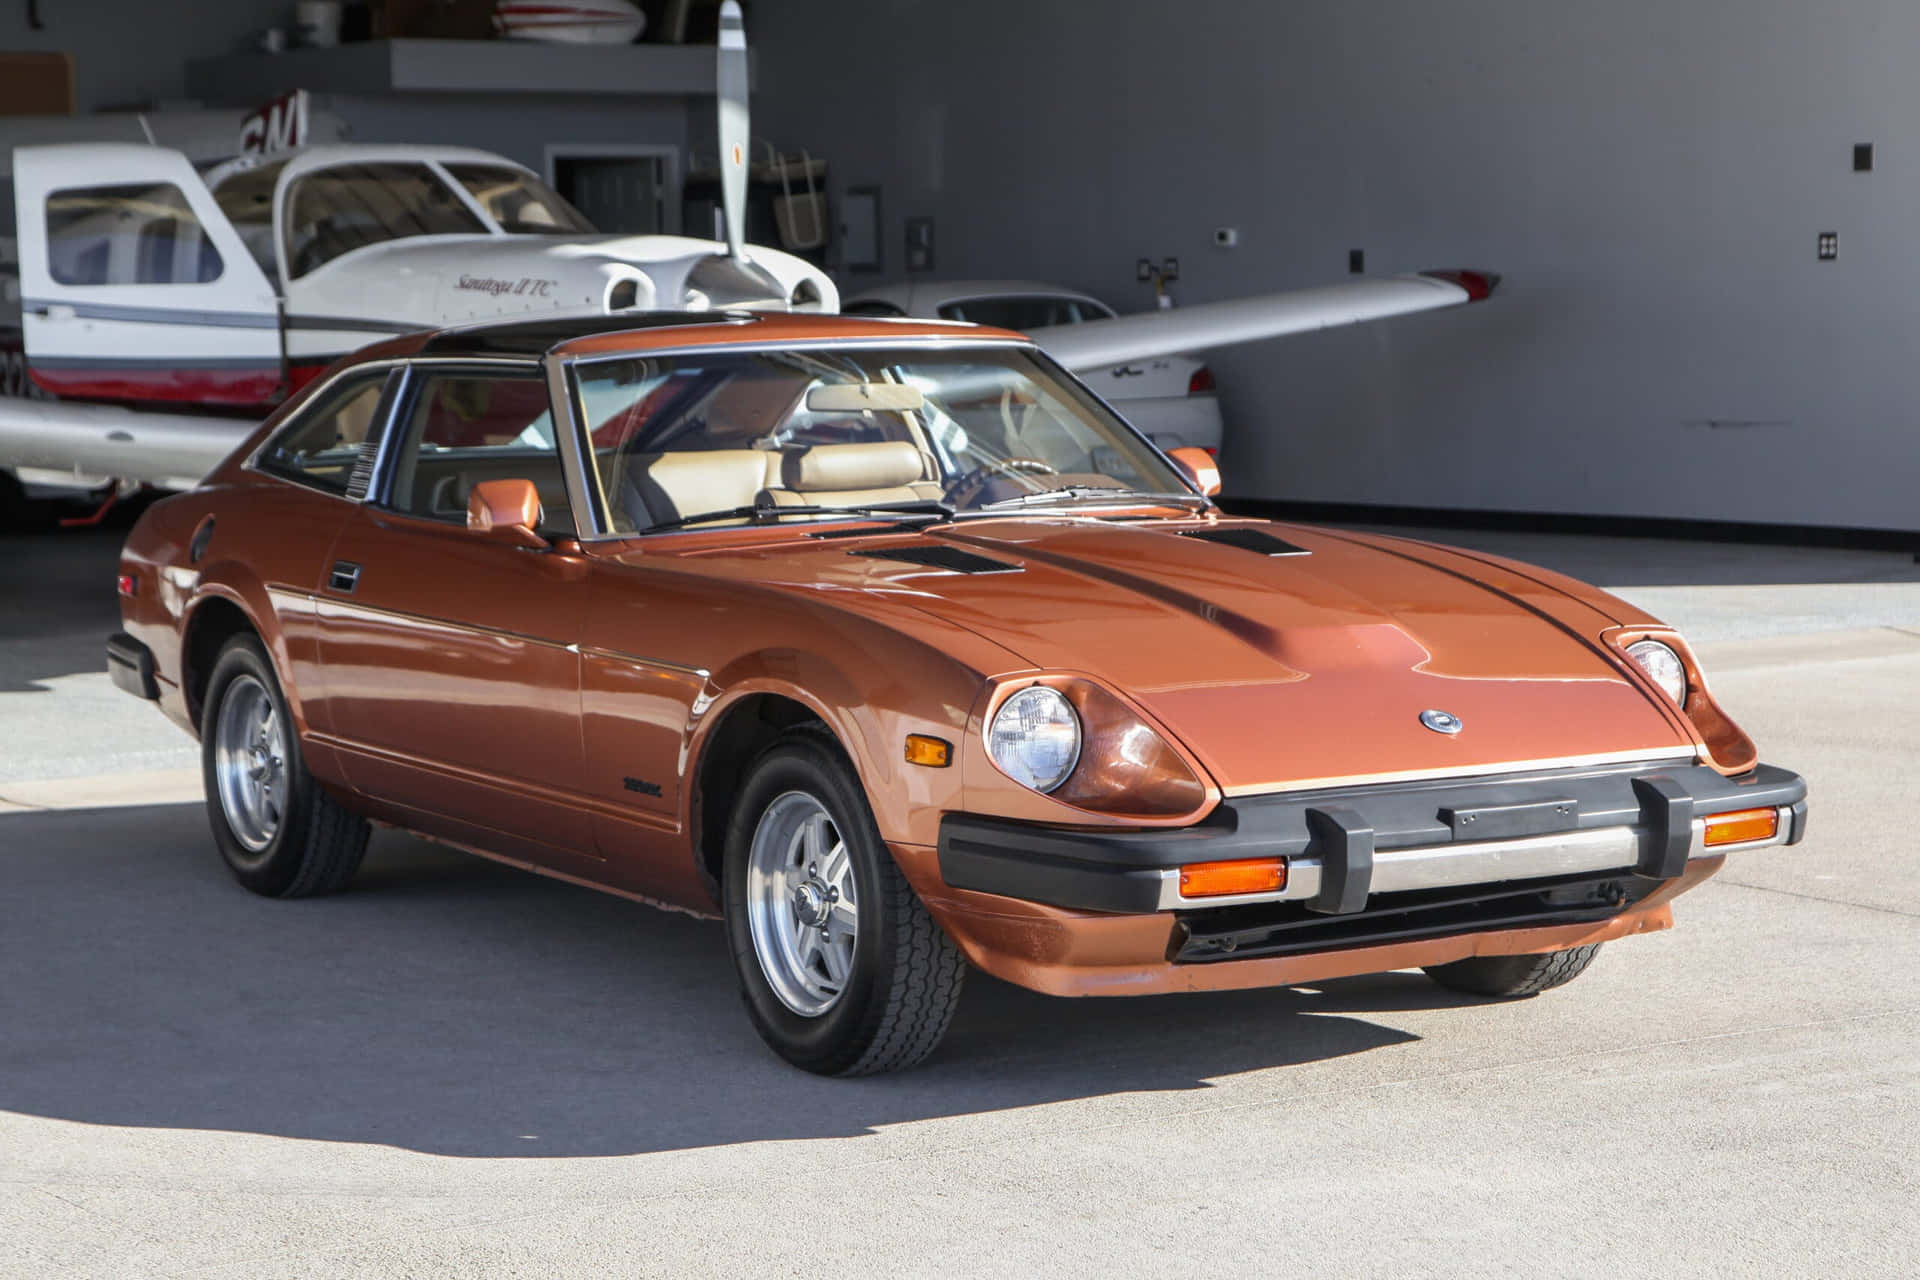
596, 334
930, 295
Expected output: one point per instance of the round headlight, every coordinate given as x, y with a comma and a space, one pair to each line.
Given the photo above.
1035, 737
1663, 667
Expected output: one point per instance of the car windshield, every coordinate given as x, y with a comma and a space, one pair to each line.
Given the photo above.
518, 201
736, 436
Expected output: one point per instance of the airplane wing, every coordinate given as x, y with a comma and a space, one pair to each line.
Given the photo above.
170, 450
1096, 344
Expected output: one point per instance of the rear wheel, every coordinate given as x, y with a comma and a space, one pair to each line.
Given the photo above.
842, 970
1514, 976
279, 833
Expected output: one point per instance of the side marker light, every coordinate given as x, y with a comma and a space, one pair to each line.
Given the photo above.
1742, 825
129, 585
934, 753
1244, 875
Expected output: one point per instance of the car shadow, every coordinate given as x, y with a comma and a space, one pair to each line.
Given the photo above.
452, 1006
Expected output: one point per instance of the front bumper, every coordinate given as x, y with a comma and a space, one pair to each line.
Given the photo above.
1373, 865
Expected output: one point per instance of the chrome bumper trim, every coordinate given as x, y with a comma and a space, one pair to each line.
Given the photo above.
1449, 866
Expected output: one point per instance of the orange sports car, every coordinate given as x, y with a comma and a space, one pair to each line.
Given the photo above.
891, 645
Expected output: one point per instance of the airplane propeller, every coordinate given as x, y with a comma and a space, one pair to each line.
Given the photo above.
735, 133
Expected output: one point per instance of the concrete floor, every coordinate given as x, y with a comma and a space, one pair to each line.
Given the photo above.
460, 1069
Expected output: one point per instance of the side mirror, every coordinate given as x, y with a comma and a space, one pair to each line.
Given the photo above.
1201, 468
508, 510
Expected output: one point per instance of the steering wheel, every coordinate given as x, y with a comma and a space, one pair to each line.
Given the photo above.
966, 488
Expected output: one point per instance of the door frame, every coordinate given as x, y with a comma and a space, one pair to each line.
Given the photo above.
669, 156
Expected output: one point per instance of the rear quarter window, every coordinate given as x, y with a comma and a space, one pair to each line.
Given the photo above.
330, 446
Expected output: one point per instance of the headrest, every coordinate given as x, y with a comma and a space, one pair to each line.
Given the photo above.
718, 466
886, 464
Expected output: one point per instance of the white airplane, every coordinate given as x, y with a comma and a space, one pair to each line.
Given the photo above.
151, 293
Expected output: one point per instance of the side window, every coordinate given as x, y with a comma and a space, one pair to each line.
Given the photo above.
143, 233
465, 427
325, 445
871, 307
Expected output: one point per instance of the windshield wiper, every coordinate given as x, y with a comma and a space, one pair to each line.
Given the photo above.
925, 511
1106, 491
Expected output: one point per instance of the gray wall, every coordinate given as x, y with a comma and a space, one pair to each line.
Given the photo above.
519, 129
1649, 176
135, 51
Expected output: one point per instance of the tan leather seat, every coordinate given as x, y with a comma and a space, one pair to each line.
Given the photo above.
840, 475
668, 486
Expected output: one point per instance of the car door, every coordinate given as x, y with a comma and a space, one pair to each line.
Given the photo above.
450, 657
134, 285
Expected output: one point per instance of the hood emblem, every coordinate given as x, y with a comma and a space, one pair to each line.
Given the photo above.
1441, 721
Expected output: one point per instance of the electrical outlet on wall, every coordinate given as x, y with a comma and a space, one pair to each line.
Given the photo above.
1829, 245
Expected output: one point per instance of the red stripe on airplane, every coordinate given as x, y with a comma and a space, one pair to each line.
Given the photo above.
257, 387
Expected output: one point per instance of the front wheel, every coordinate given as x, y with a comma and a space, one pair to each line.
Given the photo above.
1510, 977
842, 970
279, 833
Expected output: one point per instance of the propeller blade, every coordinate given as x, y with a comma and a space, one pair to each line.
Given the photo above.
735, 133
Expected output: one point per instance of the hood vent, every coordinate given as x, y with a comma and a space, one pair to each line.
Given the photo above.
952, 559
1258, 541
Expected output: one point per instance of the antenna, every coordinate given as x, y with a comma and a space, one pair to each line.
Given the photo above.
735, 130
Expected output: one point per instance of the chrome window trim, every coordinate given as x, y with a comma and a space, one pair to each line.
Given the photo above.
591, 518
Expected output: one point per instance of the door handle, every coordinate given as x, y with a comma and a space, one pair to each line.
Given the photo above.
344, 577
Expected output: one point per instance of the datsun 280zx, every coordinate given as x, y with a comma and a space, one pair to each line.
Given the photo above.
895, 648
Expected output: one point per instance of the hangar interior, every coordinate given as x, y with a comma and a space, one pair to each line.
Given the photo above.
1691, 386
1651, 183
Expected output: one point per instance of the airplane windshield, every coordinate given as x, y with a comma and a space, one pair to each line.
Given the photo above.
733, 436
343, 207
518, 202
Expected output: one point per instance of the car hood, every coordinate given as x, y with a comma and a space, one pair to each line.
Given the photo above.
1310, 668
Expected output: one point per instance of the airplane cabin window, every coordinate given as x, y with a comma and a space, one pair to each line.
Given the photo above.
344, 207
140, 233
326, 445
519, 202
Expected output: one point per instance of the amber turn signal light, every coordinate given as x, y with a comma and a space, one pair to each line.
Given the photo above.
1246, 875
931, 752
1742, 826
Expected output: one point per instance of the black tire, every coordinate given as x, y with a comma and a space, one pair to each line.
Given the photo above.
905, 977
316, 845
1511, 977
